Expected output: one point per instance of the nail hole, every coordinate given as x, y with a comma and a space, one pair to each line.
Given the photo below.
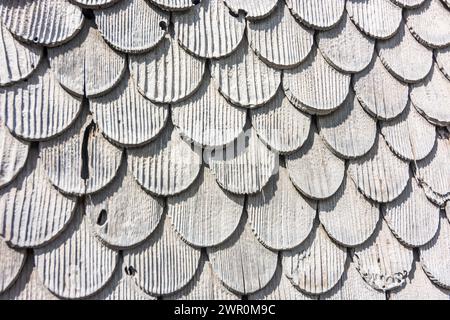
163, 25
102, 218
35, 39
130, 270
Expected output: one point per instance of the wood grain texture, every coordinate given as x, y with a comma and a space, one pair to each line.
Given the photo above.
408, 3
411, 217
167, 74
167, 165
207, 118
409, 135
209, 30
379, 174
244, 79
431, 97
123, 215
244, 167
174, 5
318, 14
114, 24
348, 217
11, 264
314, 169
419, 287
84, 71
94, 4
46, 22
17, 60
280, 125
279, 216
33, 212
382, 95
253, 9
315, 86
38, 108
382, 261
315, 266
443, 61
431, 13
205, 215
435, 256
64, 164
165, 263
242, 263
76, 264
349, 131
126, 117
279, 40
204, 286
345, 47
401, 52
351, 286
13, 155
379, 19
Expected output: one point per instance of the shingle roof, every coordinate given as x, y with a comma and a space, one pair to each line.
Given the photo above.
223, 149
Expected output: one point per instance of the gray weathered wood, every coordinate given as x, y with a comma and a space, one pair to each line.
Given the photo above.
315, 86
11, 264
164, 263
174, 5
345, 47
382, 95
279, 216
114, 24
207, 118
167, 74
208, 30
314, 169
46, 22
167, 165
408, 3
127, 117
349, 131
242, 263
254, 9
38, 108
94, 4
318, 14
279, 40
443, 61
348, 217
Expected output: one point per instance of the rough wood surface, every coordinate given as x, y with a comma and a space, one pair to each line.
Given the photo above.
123, 214
254, 9
280, 125
33, 212
11, 264
126, 117
94, 4
163, 264
409, 135
207, 118
279, 40
17, 60
315, 266
209, 30
114, 23
84, 71
245, 170
348, 217
167, 165
382, 95
174, 5
13, 155
349, 131
88, 267
315, 86
38, 108
443, 61
430, 24
408, 3
382, 261
404, 57
314, 169
205, 215
244, 79
242, 263
318, 14
345, 47
167, 74
377, 18
412, 218
379, 174
47, 22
